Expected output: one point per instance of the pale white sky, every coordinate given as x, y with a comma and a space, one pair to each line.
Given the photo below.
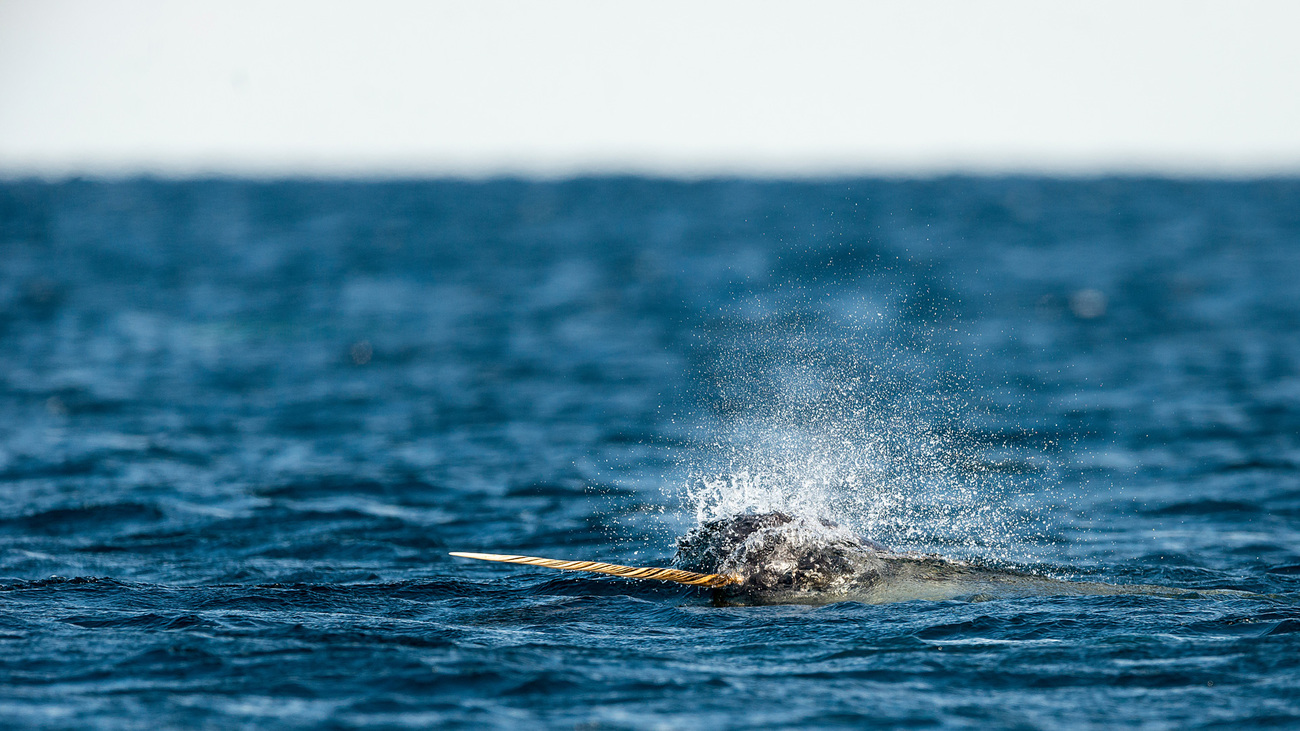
682, 88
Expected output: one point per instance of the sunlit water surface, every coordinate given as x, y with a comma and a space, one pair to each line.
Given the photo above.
245, 423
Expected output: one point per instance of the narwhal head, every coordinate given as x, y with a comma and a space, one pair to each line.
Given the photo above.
778, 553
760, 557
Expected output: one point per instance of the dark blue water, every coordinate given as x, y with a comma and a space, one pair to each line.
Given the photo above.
245, 422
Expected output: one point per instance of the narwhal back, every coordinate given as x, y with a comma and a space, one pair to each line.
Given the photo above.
771, 558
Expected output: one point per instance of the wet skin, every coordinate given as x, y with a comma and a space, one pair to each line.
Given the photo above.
780, 559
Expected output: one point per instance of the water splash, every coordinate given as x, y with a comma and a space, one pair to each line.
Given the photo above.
875, 435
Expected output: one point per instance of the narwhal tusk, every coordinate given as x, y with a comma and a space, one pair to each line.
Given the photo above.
630, 572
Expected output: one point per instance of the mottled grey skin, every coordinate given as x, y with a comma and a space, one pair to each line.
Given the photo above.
786, 560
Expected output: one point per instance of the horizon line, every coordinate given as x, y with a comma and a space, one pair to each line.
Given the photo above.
327, 172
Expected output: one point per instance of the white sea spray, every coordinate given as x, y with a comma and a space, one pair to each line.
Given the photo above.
871, 434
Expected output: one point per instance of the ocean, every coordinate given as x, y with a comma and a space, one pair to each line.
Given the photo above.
246, 421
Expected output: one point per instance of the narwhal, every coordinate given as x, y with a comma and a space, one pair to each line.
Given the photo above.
775, 558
